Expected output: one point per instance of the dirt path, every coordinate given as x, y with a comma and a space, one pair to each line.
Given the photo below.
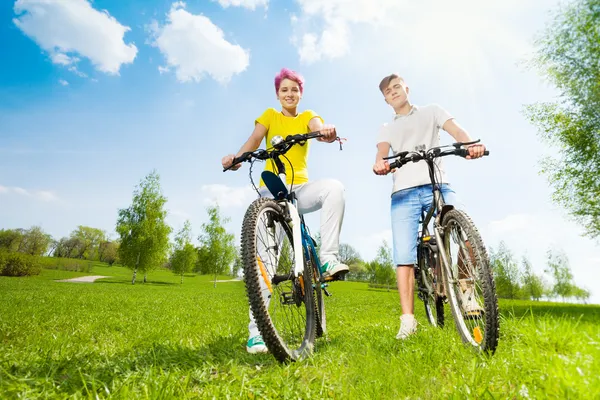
84, 279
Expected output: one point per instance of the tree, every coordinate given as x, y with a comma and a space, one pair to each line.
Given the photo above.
36, 241
217, 248
108, 252
10, 239
506, 272
238, 264
68, 247
533, 285
348, 254
580, 293
144, 234
89, 240
567, 56
558, 267
185, 256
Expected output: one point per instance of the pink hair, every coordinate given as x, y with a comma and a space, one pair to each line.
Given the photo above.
291, 75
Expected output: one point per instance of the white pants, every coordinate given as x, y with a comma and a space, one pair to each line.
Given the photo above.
326, 195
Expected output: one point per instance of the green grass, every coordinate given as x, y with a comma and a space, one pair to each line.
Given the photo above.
111, 339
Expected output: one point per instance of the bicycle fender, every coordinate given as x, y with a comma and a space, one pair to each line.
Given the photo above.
274, 184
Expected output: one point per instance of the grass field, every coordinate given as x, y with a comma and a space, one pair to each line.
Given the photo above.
164, 340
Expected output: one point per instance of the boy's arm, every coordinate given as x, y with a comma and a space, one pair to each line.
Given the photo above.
461, 135
456, 131
382, 167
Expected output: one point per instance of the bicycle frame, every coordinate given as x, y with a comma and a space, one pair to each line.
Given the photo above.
278, 188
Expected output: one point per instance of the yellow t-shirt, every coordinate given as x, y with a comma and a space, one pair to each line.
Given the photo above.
278, 124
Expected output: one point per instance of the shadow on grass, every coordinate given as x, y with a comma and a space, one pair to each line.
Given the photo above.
585, 313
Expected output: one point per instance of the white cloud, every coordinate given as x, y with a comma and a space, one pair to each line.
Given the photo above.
228, 197
193, 46
67, 27
63, 82
42, 195
45, 195
433, 32
250, 4
21, 191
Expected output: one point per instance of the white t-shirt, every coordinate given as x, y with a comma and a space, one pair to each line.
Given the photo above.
418, 130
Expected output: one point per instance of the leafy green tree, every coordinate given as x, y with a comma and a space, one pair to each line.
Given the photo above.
567, 56
238, 264
506, 272
144, 234
108, 252
10, 239
533, 285
580, 293
185, 256
217, 249
68, 247
559, 269
36, 241
89, 242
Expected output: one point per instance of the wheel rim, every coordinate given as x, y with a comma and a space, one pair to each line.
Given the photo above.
465, 285
283, 300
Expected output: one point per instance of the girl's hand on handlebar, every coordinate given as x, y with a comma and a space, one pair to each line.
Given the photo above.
328, 132
228, 160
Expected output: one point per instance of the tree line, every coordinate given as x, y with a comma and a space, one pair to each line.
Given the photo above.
143, 243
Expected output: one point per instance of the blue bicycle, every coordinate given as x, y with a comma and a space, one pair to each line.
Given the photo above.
284, 282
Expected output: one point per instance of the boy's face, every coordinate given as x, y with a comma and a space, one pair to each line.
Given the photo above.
396, 94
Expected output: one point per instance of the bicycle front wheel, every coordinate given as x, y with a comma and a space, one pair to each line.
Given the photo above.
282, 305
470, 283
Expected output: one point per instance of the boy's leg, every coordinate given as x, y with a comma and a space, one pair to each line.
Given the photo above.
406, 211
328, 196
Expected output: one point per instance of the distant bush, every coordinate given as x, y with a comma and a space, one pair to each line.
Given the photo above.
67, 264
19, 264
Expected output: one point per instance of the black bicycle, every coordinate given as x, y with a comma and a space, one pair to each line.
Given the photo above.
453, 265
282, 270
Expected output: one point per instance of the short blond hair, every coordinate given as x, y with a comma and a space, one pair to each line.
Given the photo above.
385, 82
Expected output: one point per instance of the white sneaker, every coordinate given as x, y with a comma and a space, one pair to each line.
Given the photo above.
256, 345
470, 306
408, 326
334, 268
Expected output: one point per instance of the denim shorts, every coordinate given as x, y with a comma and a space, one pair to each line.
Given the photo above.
407, 205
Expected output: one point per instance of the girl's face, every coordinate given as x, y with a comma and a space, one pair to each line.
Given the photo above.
289, 94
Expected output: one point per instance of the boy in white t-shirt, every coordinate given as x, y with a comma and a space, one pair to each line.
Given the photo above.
414, 129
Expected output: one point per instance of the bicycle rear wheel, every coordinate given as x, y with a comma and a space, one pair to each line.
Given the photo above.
282, 305
470, 283
429, 286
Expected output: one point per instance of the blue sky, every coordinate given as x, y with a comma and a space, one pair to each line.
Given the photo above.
94, 95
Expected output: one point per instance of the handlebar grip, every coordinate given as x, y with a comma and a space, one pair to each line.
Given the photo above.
465, 152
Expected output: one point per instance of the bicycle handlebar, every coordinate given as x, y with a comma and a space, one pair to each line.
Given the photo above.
279, 148
435, 152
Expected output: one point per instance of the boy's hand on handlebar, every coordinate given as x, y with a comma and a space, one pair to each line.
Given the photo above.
475, 151
328, 132
228, 160
381, 167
